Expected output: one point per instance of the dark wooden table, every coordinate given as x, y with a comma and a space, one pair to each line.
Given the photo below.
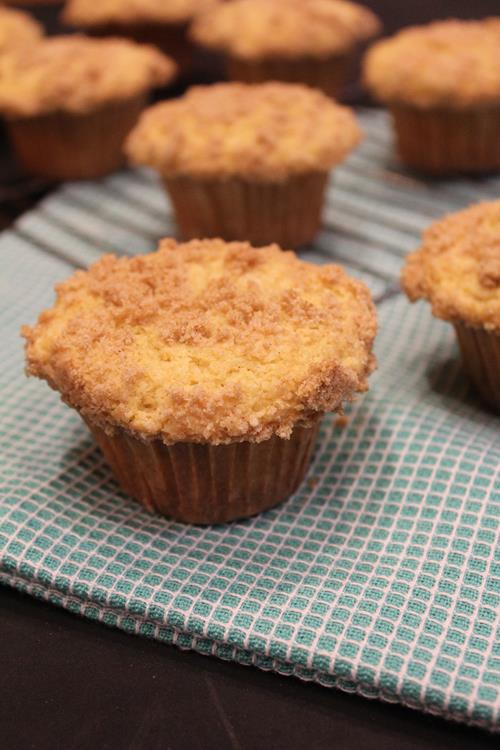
69, 684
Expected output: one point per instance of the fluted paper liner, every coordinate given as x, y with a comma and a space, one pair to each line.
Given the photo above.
329, 74
443, 142
170, 38
288, 213
481, 356
204, 484
66, 146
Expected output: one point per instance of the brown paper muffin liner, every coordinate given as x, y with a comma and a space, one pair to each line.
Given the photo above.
205, 484
330, 74
441, 142
481, 356
66, 146
170, 38
288, 213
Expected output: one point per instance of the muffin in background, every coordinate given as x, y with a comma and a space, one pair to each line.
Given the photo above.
441, 83
163, 24
203, 369
17, 30
33, 3
313, 42
246, 162
457, 269
70, 101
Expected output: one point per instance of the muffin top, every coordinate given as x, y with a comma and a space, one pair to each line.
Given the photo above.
447, 63
259, 131
205, 342
17, 29
76, 73
457, 268
88, 13
255, 29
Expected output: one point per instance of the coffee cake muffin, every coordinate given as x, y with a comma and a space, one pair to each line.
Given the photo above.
17, 30
246, 162
203, 369
300, 41
441, 83
69, 102
33, 3
160, 22
457, 269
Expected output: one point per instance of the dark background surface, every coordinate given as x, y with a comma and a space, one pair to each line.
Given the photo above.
69, 684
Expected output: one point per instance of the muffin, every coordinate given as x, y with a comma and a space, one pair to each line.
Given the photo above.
457, 269
34, 3
17, 30
299, 41
203, 369
441, 83
246, 162
69, 102
163, 24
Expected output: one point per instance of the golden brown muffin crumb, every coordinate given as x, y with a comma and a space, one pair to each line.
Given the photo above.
205, 342
77, 73
17, 29
446, 63
268, 130
88, 13
255, 29
457, 268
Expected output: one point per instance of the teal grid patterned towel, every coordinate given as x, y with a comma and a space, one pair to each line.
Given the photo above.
380, 576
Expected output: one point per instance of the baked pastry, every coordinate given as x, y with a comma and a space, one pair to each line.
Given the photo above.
69, 102
203, 369
457, 269
300, 41
35, 3
441, 83
246, 162
17, 30
160, 22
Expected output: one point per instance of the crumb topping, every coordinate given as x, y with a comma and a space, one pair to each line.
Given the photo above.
88, 13
253, 29
76, 73
17, 29
457, 268
205, 342
267, 130
446, 63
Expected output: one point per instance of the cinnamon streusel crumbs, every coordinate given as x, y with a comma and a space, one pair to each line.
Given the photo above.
77, 73
267, 131
457, 268
254, 29
446, 63
205, 341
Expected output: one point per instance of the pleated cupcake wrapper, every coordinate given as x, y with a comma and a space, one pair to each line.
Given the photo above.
204, 484
481, 356
170, 38
259, 212
446, 142
329, 74
66, 146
